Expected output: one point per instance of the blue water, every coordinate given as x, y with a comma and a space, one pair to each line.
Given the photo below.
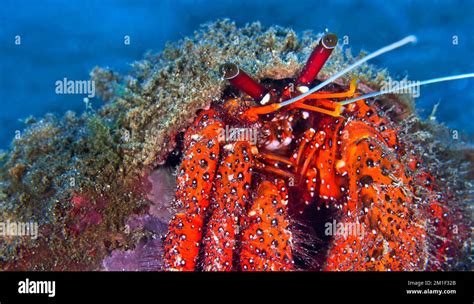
68, 38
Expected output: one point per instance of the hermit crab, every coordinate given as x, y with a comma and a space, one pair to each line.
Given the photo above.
269, 153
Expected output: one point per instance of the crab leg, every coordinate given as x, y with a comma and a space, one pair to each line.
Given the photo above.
294, 161
194, 186
267, 241
314, 145
272, 169
277, 158
390, 233
232, 183
308, 135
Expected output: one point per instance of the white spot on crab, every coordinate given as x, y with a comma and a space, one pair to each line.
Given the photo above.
265, 99
303, 89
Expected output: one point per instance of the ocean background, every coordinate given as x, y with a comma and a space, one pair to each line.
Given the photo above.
68, 38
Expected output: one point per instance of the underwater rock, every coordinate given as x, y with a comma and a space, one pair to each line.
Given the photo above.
162, 194
147, 255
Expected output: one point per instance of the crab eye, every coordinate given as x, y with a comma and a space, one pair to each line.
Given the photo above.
242, 81
316, 60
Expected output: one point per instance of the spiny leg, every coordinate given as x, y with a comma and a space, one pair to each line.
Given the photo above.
390, 234
267, 241
232, 183
193, 189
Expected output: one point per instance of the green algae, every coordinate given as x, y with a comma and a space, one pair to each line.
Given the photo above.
103, 154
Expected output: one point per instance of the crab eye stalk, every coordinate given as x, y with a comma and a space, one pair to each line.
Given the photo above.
242, 81
316, 61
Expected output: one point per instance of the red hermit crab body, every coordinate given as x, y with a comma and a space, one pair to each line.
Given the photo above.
253, 165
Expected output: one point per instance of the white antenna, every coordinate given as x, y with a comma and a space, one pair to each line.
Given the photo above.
401, 88
388, 48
